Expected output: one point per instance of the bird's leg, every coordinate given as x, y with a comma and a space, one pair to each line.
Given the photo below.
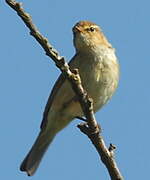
81, 118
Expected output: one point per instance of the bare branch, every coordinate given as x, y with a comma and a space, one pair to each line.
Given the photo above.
60, 62
106, 155
91, 128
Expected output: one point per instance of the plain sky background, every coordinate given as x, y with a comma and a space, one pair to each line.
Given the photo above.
27, 76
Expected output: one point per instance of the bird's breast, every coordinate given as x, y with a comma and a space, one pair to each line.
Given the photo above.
100, 78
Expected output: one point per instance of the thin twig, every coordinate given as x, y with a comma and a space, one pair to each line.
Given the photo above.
106, 154
91, 128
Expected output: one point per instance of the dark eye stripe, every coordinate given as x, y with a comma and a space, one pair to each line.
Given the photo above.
91, 29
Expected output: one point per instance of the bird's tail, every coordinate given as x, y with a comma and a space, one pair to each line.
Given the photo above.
33, 158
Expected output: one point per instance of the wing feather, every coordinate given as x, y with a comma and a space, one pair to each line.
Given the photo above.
54, 91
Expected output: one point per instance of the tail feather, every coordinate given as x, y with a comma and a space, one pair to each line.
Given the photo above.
33, 158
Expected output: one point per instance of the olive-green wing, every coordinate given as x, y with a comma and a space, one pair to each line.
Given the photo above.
54, 91
56, 87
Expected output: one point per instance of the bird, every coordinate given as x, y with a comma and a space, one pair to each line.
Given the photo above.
98, 68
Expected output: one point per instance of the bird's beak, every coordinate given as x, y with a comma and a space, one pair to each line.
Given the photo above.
77, 29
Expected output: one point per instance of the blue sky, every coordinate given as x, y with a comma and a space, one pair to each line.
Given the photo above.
27, 76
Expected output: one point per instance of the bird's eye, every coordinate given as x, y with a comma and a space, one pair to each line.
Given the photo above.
91, 29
